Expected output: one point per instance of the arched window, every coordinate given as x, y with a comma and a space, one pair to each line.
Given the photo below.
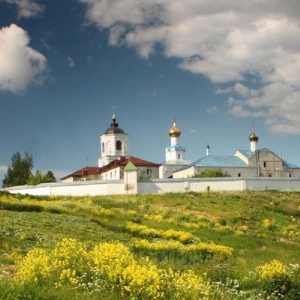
119, 145
103, 147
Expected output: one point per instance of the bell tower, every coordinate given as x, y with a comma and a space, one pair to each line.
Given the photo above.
175, 152
113, 143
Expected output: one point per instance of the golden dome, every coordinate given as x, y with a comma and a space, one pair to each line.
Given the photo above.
174, 131
253, 137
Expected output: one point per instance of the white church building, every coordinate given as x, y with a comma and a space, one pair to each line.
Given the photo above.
115, 155
175, 155
119, 173
254, 162
114, 145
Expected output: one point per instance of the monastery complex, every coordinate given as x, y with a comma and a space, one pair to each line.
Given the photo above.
120, 173
115, 155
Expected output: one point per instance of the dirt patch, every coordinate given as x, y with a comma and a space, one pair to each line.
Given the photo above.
7, 270
182, 209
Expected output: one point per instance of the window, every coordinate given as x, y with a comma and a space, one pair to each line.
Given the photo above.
103, 147
265, 164
239, 174
119, 145
178, 156
149, 172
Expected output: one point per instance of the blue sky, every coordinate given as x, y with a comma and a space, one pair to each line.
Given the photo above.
216, 66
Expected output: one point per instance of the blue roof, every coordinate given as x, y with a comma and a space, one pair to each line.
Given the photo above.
289, 165
247, 153
176, 147
217, 161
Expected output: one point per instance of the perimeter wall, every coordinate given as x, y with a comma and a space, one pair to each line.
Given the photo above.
102, 187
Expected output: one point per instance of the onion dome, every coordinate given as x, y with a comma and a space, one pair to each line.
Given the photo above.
253, 137
174, 131
114, 126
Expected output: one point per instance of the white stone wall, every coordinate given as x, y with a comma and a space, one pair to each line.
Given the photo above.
77, 188
156, 186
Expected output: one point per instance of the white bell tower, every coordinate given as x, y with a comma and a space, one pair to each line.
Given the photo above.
253, 141
175, 152
113, 143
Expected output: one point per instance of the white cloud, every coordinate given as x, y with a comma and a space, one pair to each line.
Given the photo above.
20, 65
212, 110
71, 62
3, 171
192, 130
27, 8
3, 168
251, 48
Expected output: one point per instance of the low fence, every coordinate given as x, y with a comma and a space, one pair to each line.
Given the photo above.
154, 186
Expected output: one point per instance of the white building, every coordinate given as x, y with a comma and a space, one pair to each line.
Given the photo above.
113, 144
175, 155
244, 163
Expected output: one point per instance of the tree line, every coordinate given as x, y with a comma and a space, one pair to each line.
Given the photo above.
20, 172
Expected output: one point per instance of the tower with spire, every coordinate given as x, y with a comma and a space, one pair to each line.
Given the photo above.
253, 137
113, 143
207, 150
174, 152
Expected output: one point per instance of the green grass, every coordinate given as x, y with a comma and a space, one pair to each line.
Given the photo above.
259, 226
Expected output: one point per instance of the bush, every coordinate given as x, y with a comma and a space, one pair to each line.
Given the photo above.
109, 266
278, 285
274, 279
18, 206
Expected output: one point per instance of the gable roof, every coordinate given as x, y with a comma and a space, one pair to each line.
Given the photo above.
82, 172
123, 161
217, 161
289, 165
247, 153
130, 167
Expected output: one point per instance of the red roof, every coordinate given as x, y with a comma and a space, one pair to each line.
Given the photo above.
82, 172
121, 162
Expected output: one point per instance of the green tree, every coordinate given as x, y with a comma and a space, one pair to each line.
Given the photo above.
19, 171
39, 177
209, 173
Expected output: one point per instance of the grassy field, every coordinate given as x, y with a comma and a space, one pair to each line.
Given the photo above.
241, 245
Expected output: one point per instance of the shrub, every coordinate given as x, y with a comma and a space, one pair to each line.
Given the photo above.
110, 266
274, 278
19, 206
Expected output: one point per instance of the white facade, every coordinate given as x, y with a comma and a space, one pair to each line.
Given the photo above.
118, 172
131, 185
175, 154
114, 143
244, 163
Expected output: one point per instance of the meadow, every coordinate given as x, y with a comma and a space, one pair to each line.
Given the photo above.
225, 245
